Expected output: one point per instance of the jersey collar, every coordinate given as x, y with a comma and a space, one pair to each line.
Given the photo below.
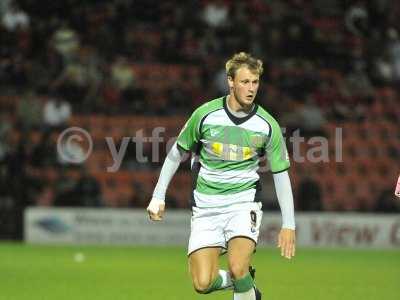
237, 120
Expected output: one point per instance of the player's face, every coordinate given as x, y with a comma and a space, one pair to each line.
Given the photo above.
244, 86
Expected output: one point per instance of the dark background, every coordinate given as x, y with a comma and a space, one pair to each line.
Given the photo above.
116, 67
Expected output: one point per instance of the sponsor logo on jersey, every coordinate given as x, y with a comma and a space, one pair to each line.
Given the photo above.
257, 140
231, 151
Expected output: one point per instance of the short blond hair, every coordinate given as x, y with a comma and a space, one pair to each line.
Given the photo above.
243, 59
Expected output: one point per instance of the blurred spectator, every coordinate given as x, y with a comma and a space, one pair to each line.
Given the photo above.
80, 80
359, 85
394, 53
56, 113
44, 153
148, 59
87, 190
221, 82
178, 97
46, 69
15, 19
309, 196
210, 44
312, 119
140, 195
46, 197
387, 202
169, 40
307, 116
65, 190
5, 127
66, 41
21, 179
357, 18
29, 113
124, 81
215, 13
4, 6
122, 74
14, 69
382, 70
190, 47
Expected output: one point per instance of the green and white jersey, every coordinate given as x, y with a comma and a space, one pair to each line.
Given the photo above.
229, 150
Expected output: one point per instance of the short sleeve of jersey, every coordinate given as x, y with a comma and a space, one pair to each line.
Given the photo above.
190, 136
277, 155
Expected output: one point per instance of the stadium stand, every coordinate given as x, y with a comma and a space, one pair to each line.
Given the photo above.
174, 51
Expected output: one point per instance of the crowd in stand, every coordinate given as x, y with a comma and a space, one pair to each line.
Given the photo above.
325, 61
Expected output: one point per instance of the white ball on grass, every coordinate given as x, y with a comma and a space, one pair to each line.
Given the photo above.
79, 257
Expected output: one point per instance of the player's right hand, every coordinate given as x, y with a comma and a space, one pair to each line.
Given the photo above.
156, 209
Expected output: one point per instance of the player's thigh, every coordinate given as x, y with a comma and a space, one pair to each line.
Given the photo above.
207, 230
244, 221
240, 251
203, 266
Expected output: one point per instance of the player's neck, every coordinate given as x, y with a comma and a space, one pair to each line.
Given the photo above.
235, 106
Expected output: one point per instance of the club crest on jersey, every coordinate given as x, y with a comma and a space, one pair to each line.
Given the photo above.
213, 132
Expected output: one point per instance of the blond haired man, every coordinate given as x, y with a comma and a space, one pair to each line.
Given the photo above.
228, 135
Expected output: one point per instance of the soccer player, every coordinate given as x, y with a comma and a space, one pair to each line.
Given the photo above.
228, 136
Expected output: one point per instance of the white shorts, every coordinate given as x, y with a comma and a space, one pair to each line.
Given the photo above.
214, 227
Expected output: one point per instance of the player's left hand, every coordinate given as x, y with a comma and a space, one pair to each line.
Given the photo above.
287, 242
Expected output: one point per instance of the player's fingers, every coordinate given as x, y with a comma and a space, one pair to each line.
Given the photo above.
279, 242
157, 217
293, 247
285, 253
161, 211
283, 248
293, 242
153, 216
289, 250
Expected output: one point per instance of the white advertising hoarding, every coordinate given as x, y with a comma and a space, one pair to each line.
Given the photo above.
104, 226
132, 227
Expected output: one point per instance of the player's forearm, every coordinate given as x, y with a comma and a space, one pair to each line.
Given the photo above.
171, 164
285, 198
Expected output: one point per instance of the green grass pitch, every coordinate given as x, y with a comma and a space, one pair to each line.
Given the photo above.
124, 273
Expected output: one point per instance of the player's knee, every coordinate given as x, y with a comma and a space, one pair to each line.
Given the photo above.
201, 284
238, 270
